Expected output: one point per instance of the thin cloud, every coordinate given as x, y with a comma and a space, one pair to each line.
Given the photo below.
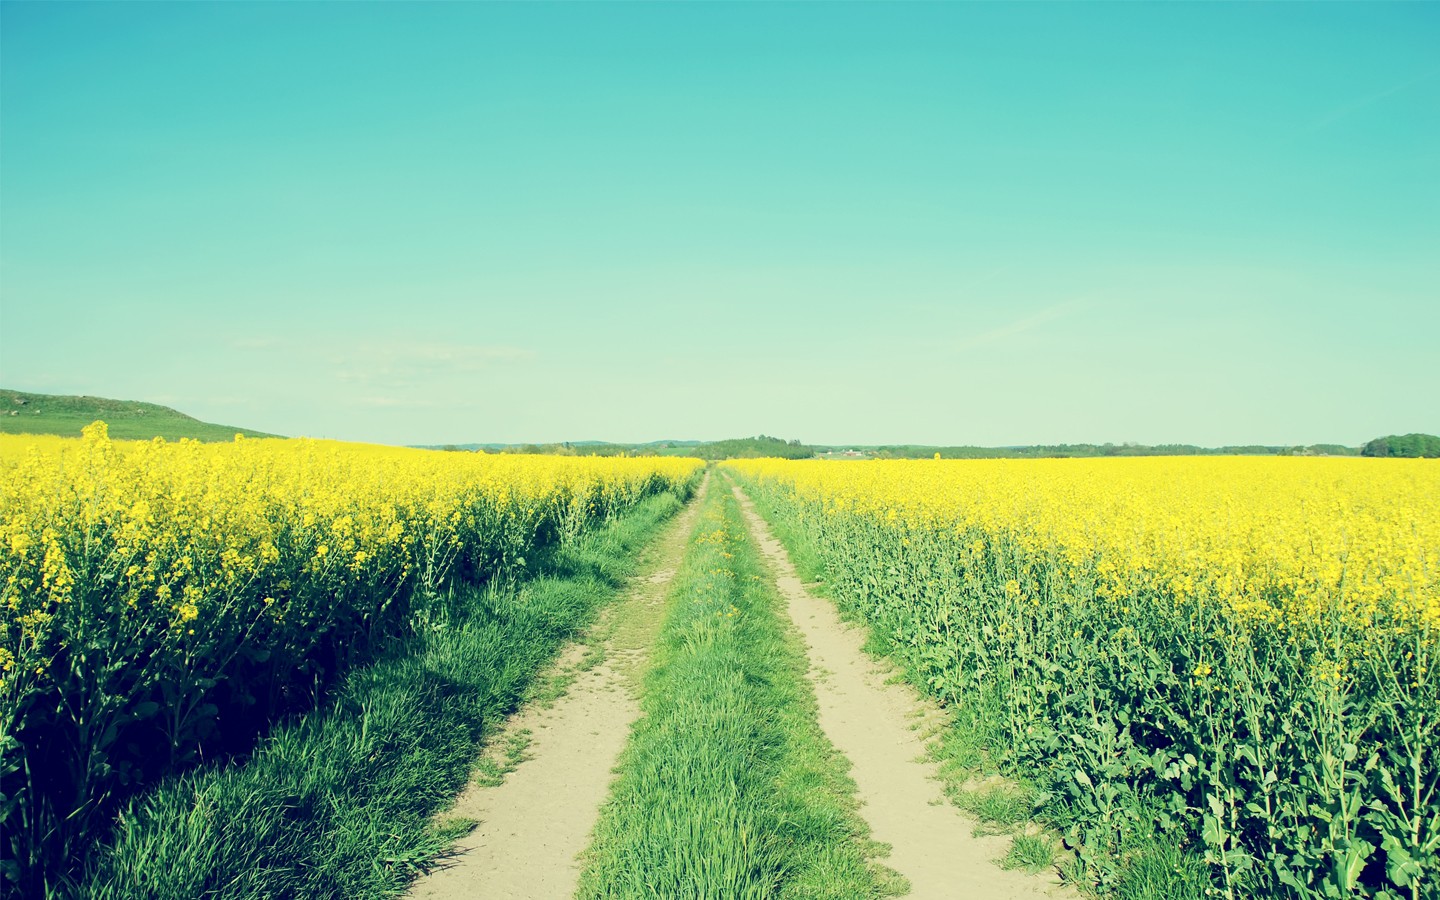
411, 365
257, 343
388, 365
388, 402
961, 290
1355, 106
231, 400
1019, 326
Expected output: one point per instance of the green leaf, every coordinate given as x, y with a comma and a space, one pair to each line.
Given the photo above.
1286, 876
1216, 806
1212, 833
1400, 866
1355, 862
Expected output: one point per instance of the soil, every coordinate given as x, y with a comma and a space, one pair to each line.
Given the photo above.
877, 723
536, 823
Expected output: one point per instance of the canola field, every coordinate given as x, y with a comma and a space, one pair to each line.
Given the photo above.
1235, 652
161, 599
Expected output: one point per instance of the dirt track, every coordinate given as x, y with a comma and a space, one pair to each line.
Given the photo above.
535, 823
874, 723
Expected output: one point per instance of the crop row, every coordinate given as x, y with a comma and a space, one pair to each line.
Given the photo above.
1237, 653
164, 601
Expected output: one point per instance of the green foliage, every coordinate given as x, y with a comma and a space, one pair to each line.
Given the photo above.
1266, 772
338, 803
736, 448
728, 789
1031, 852
1411, 446
24, 413
1157, 868
134, 690
764, 446
587, 448
1084, 451
761, 446
961, 746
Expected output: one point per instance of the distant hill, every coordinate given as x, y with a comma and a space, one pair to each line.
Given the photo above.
24, 413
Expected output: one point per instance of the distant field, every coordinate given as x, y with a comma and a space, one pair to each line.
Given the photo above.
24, 413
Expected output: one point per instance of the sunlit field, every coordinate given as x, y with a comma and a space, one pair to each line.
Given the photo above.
1239, 651
163, 600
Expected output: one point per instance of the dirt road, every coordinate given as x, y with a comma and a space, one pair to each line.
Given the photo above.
874, 723
538, 820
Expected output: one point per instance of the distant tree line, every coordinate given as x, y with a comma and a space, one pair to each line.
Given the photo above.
734, 448
754, 448
1407, 445
1085, 451
565, 448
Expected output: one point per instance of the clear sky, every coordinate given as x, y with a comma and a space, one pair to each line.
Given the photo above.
933, 223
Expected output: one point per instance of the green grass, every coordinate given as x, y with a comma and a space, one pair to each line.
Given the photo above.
338, 804
728, 788
1157, 869
1031, 852
23, 413
491, 769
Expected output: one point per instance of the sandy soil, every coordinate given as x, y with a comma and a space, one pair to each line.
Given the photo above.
535, 823
874, 723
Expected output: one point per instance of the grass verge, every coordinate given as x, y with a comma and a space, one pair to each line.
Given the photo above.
1003, 802
338, 803
728, 788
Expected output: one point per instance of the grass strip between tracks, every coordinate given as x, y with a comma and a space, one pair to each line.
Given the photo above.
338, 804
728, 788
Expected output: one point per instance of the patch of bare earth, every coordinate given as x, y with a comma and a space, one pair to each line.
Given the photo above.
876, 722
538, 819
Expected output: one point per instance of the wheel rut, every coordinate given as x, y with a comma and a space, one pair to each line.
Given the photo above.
876, 723
535, 823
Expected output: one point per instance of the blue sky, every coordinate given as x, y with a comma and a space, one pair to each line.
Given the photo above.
934, 223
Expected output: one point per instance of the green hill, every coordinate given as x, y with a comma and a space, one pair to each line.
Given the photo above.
23, 413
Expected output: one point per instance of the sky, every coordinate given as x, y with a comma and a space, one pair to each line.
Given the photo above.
940, 223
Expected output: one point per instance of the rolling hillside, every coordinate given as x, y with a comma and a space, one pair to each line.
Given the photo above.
25, 413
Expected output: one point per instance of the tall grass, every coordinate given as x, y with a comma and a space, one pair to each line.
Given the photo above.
164, 604
728, 789
338, 803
